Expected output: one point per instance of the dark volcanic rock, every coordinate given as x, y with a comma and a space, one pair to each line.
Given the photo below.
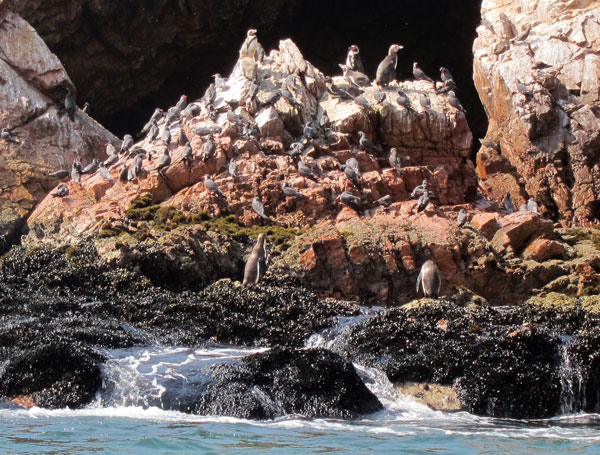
54, 375
312, 383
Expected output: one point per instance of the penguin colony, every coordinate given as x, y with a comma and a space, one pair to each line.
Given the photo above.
164, 132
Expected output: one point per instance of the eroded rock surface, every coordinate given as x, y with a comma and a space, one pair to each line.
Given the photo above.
536, 68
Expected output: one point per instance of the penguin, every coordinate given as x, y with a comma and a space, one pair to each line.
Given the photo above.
70, 104
90, 168
353, 60
208, 149
256, 265
305, 171
127, 143
403, 100
258, 207
62, 190
351, 201
507, 204
429, 280
289, 191
386, 71
395, 160
355, 77
419, 74
212, 187
462, 217
454, 102
250, 44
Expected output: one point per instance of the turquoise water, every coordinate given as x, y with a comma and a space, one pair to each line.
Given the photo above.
125, 420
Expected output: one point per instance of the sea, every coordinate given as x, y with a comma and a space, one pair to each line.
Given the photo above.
128, 416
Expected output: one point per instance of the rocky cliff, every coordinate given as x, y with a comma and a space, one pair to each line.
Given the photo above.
42, 138
536, 69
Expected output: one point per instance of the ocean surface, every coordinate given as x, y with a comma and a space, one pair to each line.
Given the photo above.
126, 418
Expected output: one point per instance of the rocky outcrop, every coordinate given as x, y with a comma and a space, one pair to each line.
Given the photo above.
32, 96
311, 383
536, 68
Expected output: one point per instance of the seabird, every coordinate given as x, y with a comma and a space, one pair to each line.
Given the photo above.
352, 176
124, 173
384, 201
429, 279
289, 191
403, 100
420, 74
60, 174
76, 171
355, 77
445, 74
258, 207
353, 60
164, 162
507, 203
208, 149
532, 206
137, 164
386, 71
296, 149
425, 102
62, 190
423, 201
336, 91
70, 104
250, 44
419, 189
181, 104
351, 201
366, 144
462, 217
104, 172
188, 154
454, 102
305, 171
256, 265
395, 160
127, 143
212, 187
232, 167
91, 168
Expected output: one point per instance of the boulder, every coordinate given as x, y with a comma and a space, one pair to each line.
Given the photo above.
543, 249
311, 383
518, 229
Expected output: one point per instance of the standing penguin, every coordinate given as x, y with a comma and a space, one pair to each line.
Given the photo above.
256, 265
386, 71
353, 60
429, 279
250, 44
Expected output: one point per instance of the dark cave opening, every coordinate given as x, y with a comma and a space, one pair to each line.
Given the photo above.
433, 32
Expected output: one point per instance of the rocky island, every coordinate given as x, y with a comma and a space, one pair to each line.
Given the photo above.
149, 247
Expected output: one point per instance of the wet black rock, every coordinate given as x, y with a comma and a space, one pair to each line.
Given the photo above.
312, 383
55, 375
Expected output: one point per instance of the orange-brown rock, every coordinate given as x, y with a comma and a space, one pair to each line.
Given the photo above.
487, 223
543, 249
518, 229
536, 69
32, 109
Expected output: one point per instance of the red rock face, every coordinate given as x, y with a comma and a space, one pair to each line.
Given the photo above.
536, 69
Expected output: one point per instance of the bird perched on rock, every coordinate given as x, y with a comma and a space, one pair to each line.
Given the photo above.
6, 135
395, 160
419, 189
164, 161
353, 60
384, 201
423, 201
507, 204
212, 187
289, 191
70, 105
209, 149
206, 130
355, 77
532, 206
104, 172
425, 102
336, 91
183, 139
188, 154
181, 104
429, 280
87, 108
353, 163
110, 149
127, 143
296, 149
305, 171
445, 74
403, 100
366, 144
138, 164
76, 171
353, 177
165, 136
158, 112
352, 201
386, 71
256, 265
462, 217
62, 190
250, 44
90, 168
220, 82
379, 96
454, 102
152, 132
419, 74
258, 207
124, 173
60, 174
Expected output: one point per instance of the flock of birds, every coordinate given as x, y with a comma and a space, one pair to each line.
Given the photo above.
161, 123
